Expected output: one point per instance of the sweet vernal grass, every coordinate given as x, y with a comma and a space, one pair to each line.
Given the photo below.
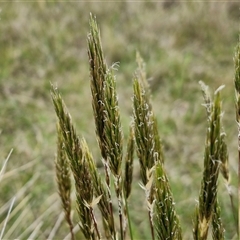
166, 220
224, 159
101, 193
78, 166
149, 151
159, 198
64, 180
208, 205
98, 70
144, 138
106, 114
93, 190
113, 139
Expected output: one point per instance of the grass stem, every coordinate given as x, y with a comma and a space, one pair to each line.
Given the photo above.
237, 100
127, 213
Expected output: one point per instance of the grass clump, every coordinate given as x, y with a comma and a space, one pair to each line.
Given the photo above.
94, 197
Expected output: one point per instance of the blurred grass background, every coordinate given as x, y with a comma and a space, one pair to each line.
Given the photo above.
181, 43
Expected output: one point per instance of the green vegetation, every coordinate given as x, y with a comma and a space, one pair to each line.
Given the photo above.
181, 43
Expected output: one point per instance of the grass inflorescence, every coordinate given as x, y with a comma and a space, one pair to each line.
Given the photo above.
64, 180
212, 164
95, 191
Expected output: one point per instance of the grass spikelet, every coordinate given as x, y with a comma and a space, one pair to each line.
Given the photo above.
112, 126
78, 165
217, 226
113, 138
100, 190
149, 151
141, 73
207, 98
212, 164
98, 70
224, 159
143, 127
224, 167
64, 180
106, 114
166, 221
223, 146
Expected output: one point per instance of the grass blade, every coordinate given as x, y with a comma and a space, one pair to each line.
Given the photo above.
4, 165
6, 219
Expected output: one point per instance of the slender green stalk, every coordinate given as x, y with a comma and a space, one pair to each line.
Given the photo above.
129, 164
212, 163
237, 97
64, 180
127, 213
128, 178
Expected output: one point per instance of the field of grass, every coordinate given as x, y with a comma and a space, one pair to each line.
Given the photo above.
46, 42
